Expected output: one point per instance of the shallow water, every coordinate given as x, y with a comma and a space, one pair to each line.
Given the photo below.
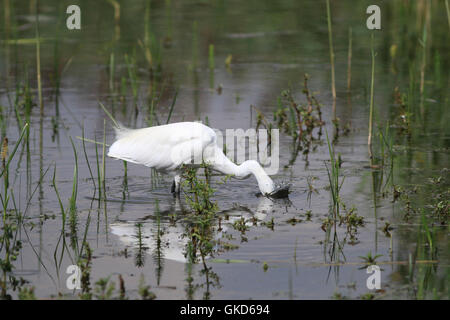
272, 45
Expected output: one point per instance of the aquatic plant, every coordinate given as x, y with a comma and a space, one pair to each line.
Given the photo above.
369, 259
84, 263
211, 65
201, 229
73, 200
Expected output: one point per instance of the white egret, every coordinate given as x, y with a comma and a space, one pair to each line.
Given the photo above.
167, 147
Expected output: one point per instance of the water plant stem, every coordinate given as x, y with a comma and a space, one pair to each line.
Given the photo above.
103, 160
369, 139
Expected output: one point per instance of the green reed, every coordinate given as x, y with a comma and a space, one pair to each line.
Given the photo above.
85, 264
38, 58
116, 7
58, 70
123, 94
144, 290
349, 60
87, 159
386, 141
200, 231
133, 78
168, 13
194, 64
63, 224
423, 63
333, 178
150, 46
8, 241
172, 106
211, 65
5, 169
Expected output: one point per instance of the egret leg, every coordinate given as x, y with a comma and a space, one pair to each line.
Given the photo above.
176, 185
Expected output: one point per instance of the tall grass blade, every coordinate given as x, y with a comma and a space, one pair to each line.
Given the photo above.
172, 106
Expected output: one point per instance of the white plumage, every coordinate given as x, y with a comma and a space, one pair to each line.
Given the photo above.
167, 147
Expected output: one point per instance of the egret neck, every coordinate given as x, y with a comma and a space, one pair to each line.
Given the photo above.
265, 184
